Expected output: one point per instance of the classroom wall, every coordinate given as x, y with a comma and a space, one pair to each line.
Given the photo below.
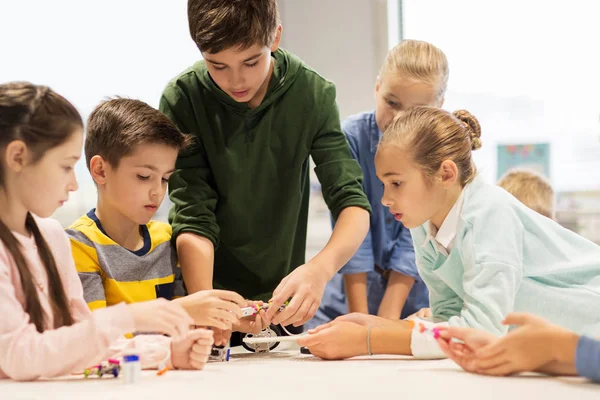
344, 40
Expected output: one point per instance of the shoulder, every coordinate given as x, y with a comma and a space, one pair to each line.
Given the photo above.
358, 126
160, 232
308, 78
487, 205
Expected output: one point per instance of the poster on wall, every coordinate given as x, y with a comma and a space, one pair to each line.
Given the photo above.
535, 157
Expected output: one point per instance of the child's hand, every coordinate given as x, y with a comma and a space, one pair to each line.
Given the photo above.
526, 348
192, 352
221, 336
464, 354
214, 308
422, 313
162, 316
253, 324
336, 340
305, 285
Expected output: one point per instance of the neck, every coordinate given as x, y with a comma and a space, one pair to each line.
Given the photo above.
450, 198
118, 227
12, 213
262, 91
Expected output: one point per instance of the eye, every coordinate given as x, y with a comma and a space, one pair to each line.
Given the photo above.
252, 65
68, 168
165, 180
143, 178
396, 184
392, 104
219, 68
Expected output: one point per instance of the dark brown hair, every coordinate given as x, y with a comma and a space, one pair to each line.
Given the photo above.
432, 135
42, 119
217, 25
116, 126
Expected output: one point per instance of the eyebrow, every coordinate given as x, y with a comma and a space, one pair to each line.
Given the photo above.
391, 174
72, 158
251, 58
153, 168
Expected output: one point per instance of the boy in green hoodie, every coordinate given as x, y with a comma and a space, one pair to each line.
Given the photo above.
241, 192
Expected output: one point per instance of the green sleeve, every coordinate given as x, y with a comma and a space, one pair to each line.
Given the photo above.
191, 187
339, 173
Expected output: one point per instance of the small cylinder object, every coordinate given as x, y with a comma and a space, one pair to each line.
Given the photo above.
131, 369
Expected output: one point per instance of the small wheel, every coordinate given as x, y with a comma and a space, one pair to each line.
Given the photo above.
271, 331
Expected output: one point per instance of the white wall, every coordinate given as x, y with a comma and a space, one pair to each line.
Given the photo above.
344, 40
88, 51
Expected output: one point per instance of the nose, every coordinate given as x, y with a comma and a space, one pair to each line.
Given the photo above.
386, 200
73, 185
237, 79
156, 190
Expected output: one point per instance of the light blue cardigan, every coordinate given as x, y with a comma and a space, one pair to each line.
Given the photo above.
507, 258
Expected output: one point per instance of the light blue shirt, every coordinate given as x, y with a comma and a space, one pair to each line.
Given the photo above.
587, 358
507, 258
388, 243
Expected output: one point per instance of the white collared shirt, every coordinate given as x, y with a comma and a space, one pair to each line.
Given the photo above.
443, 238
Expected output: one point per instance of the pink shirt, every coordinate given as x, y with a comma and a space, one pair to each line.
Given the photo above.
26, 354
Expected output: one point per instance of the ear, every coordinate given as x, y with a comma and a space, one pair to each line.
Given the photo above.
277, 40
16, 155
98, 167
448, 174
377, 85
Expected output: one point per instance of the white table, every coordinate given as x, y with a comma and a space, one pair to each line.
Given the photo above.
287, 374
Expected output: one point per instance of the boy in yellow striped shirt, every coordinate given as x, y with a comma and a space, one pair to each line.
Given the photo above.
120, 254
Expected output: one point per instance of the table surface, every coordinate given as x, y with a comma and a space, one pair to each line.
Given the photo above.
287, 374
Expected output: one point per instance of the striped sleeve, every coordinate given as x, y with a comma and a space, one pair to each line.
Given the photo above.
88, 268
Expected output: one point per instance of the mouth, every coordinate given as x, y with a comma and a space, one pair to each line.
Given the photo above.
240, 93
397, 216
151, 207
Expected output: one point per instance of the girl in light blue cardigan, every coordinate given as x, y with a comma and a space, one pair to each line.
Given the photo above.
481, 253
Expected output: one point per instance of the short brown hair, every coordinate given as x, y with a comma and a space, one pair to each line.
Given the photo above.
432, 135
116, 126
217, 25
531, 189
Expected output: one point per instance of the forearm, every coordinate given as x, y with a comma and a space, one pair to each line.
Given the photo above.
196, 258
558, 368
356, 292
388, 340
349, 232
395, 295
563, 345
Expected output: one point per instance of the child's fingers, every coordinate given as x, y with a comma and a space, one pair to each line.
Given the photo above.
491, 362
502, 369
311, 312
458, 333
201, 350
224, 315
231, 297
491, 350
301, 313
198, 361
200, 334
523, 319
281, 293
310, 340
288, 312
320, 327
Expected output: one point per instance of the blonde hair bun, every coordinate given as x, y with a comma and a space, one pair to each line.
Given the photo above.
472, 127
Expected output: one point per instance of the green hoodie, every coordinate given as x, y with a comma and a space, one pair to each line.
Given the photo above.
244, 184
